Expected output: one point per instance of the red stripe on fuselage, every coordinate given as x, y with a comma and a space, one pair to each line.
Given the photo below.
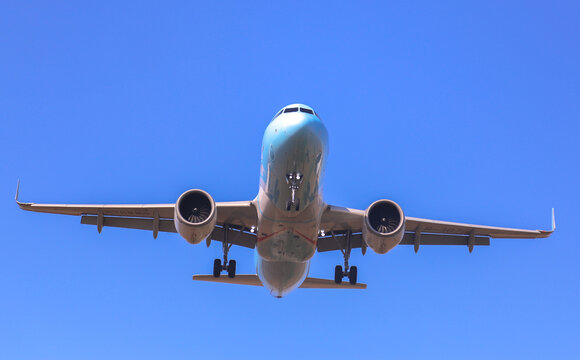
268, 236
306, 237
260, 239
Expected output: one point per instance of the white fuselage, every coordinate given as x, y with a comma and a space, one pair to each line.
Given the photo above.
289, 202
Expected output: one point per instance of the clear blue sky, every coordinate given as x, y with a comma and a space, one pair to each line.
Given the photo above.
458, 112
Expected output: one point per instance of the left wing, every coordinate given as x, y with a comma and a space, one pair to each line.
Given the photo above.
338, 221
239, 216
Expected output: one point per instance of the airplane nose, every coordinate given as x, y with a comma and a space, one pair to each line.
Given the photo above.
302, 126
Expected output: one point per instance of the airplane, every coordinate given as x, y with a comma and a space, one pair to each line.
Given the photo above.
288, 221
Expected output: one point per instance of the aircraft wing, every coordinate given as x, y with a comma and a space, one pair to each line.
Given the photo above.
338, 221
240, 216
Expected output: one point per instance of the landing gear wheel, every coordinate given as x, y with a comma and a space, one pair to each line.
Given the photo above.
352, 274
217, 268
297, 205
338, 274
288, 205
232, 269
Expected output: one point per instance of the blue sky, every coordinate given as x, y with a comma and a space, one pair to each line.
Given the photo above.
460, 112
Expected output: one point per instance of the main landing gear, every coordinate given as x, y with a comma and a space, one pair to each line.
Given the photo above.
229, 266
350, 272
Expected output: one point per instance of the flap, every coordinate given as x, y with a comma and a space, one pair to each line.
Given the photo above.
236, 236
328, 243
130, 223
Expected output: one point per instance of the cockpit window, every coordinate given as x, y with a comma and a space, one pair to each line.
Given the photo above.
296, 109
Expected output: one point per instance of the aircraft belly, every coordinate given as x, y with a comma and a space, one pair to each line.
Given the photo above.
287, 243
281, 277
287, 238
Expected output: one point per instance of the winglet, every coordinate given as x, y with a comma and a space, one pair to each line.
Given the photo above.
546, 233
17, 192
21, 204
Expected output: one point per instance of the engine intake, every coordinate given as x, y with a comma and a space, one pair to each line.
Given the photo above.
195, 215
384, 226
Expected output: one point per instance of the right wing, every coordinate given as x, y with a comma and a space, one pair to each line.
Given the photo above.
338, 221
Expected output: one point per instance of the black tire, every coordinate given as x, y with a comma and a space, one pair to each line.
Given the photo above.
232, 269
297, 205
352, 275
217, 268
338, 274
288, 205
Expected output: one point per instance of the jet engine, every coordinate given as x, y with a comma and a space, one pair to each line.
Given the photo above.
195, 215
384, 226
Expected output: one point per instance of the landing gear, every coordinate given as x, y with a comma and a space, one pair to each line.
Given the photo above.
296, 205
294, 180
338, 274
232, 269
351, 272
229, 266
217, 268
352, 275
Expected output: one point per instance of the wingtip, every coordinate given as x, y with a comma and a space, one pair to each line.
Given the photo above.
21, 204
546, 233
17, 192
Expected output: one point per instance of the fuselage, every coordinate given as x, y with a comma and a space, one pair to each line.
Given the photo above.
290, 201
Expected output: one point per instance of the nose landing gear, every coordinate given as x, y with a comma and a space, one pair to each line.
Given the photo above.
294, 180
229, 266
351, 272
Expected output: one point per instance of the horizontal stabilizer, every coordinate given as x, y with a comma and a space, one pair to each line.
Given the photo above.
316, 283
254, 280
239, 279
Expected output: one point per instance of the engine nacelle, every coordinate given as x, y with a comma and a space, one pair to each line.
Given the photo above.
195, 215
384, 226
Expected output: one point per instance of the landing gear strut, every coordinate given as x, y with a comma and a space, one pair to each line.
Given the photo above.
351, 272
229, 266
294, 180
